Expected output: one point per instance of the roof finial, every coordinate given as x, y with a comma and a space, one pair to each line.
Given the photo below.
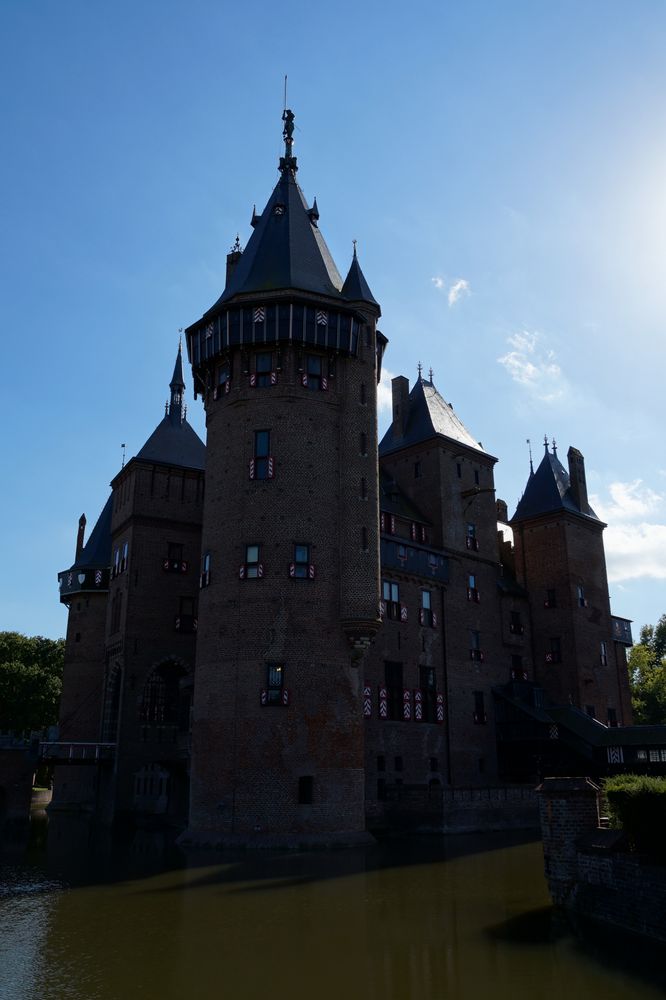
288, 161
554, 447
236, 248
430, 373
529, 448
419, 369
354, 242
545, 441
180, 340
123, 447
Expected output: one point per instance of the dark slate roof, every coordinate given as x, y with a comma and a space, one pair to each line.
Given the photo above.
547, 490
286, 249
429, 416
356, 287
394, 501
96, 553
174, 442
177, 380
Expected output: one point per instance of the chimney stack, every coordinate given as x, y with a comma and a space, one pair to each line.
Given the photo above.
400, 394
232, 260
577, 479
80, 535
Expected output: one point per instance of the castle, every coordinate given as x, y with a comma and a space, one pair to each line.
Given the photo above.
289, 632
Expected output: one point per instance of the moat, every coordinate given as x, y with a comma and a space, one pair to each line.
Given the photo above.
428, 919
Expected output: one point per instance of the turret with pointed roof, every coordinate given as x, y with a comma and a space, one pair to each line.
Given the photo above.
550, 489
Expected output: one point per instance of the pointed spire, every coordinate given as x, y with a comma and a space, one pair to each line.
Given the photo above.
529, 448
313, 213
355, 287
419, 369
288, 161
177, 386
80, 535
254, 221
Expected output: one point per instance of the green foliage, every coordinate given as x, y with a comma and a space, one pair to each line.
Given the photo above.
637, 804
30, 680
647, 675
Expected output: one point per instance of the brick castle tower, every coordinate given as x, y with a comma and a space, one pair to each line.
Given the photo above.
287, 363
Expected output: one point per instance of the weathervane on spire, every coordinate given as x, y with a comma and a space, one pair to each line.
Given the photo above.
419, 369
288, 130
354, 242
545, 441
430, 373
554, 446
529, 448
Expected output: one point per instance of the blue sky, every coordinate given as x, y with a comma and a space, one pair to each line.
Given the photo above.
502, 166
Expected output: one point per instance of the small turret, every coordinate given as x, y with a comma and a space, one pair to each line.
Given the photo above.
578, 484
80, 535
177, 386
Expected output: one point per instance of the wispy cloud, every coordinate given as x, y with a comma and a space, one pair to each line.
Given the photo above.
635, 539
454, 290
384, 393
533, 365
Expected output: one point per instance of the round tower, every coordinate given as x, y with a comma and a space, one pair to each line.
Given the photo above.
287, 363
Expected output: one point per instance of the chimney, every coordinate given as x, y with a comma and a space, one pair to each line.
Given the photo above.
232, 261
80, 534
400, 393
577, 479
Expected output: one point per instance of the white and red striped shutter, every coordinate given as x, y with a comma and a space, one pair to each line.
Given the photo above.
292, 569
382, 609
264, 696
440, 707
285, 696
271, 467
434, 619
252, 468
304, 379
260, 570
165, 565
407, 704
324, 383
367, 701
216, 392
412, 531
227, 386
382, 523
423, 533
403, 612
253, 379
421, 616
241, 572
273, 378
311, 571
383, 703
418, 705
392, 524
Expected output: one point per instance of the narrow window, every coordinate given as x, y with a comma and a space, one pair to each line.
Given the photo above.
551, 598
516, 624
116, 562
205, 570
472, 590
475, 645
518, 673
124, 557
274, 683
612, 717
77, 637
300, 567
428, 683
305, 790
471, 540
381, 763
476, 476
391, 596
223, 374
426, 608
459, 470
253, 568
580, 596
398, 763
479, 709
261, 466
417, 470
554, 652
313, 373
394, 690
263, 368
186, 619
364, 489
603, 654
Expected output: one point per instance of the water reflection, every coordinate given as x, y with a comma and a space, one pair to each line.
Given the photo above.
91, 920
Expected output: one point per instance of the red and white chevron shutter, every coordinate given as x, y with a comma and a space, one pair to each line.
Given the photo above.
241, 572
260, 570
252, 468
421, 616
311, 571
367, 701
227, 386
418, 705
412, 532
383, 703
216, 392
406, 704
292, 569
392, 524
382, 523
273, 378
253, 379
434, 619
382, 609
403, 612
264, 696
440, 708
271, 467
304, 379
285, 696
324, 383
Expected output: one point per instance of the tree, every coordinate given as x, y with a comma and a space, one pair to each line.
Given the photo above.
647, 674
30, 680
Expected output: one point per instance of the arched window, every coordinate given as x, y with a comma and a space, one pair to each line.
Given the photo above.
161, 694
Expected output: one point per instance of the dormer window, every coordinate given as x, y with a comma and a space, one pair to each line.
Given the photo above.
278, 210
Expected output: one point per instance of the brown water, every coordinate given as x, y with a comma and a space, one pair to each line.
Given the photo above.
465, 917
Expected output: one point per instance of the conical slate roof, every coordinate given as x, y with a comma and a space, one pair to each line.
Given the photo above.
356, 287
286, 249
174, 441
548, 490
429, 416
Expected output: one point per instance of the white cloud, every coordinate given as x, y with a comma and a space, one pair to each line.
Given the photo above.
384, 393
635, 546
454, 290
459, 287
532, 364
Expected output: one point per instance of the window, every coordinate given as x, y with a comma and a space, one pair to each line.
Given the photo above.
426, 614
515, 623
174, 562
551, 599
363, 443
612, 717
480, 717
313, 377
223, 379
471, 541
476, 476
251, 569
116, 562
363, 394
381, 763
364, 489
275, 689
417, 470
301, 568
580, 596
603, 654
475, 645
204, 579
554, 652
263, 369
394, 690
472, 591
397, 762
77, 637
459, 470
518, 672
391, 597
124, 558
381, 789
305, 790
186, 619
428, 684
261, 464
